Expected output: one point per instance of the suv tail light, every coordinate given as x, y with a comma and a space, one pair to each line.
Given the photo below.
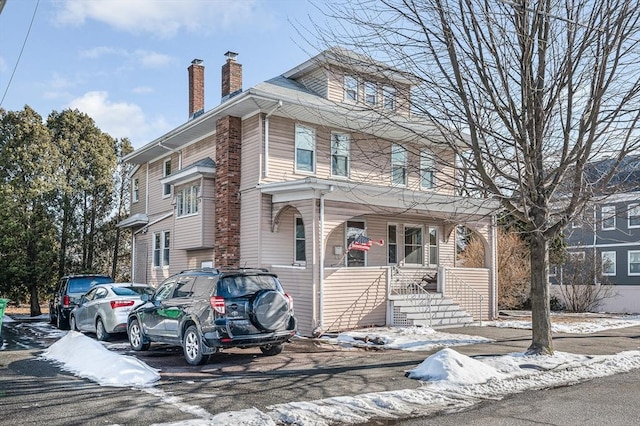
66, 300
218, 305
121, 303
290, 300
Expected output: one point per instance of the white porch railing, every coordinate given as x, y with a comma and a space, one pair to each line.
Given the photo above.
450, 284
411, 288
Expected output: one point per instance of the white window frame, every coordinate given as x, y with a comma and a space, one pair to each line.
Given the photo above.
392, 242
166, 188
302, 145
187, 201
434, 257
629, 254
347, 242
296, 239
420, 245
161, 249
351, 88
633, 214
399, 160
135, 190
370, 93
607, 255
389, 98
607, 212
340, 149
427, 169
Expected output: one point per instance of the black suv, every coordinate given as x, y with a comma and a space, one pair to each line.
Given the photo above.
69, 290
206, 310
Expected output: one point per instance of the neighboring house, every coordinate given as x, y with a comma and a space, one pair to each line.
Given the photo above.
287, 174
608, 233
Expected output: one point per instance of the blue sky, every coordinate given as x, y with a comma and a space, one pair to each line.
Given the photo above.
124, 62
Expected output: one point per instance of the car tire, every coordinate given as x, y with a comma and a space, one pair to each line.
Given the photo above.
192, 345
61, 323
52, 318
136, 340
101, 332
270, 310
271, 350
72, 323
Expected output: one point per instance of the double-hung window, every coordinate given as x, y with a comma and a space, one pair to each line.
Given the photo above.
389, 98
634, 216
433, 246
300, 243
305, 149
392, 244
634, 262
166, 171
608, 263
427, 169
135, 190
161, 248
370, 93
351, 88
413, 245
340, 154
608, 217
187, 201
398, 165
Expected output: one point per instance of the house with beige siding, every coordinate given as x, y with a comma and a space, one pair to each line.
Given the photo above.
287, 174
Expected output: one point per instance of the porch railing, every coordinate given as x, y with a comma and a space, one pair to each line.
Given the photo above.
468, 297
409, 287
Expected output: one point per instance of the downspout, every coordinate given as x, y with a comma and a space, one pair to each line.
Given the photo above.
494, 268
322, 255
266, 139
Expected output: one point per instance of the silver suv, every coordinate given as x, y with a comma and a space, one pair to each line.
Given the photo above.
207, 310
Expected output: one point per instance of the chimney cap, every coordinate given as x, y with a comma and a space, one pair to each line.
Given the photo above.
196, 61
231, 55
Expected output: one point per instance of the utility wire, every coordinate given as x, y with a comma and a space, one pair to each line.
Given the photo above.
24, 43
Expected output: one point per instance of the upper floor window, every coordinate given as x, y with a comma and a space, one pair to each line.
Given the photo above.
389, 98
305, 149
161, 248
187, 201
398, 165
351, 88
370, 93
608, 262
634, 216
427, 169
608, 217
300, 243
340, 154
135, 190
166, 171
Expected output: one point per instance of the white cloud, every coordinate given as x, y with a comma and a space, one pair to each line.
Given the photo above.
150, 59
118, 119
161, 18
3, 64
145, 58
143, 90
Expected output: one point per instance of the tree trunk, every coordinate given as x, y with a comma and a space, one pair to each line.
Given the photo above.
34, 301
540, 309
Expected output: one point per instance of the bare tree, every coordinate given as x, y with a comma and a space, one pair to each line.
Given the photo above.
527, 93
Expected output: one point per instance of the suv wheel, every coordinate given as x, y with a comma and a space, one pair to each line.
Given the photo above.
270, 310
192, 345
60, 323
271, 350
101, 332
135, 337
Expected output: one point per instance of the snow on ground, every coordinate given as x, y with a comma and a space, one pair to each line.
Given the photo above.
586, 326
450, 380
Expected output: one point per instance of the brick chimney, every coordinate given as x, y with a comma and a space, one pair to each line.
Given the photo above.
196, 88
231, 77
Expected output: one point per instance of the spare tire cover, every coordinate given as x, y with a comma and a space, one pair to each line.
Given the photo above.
270, 310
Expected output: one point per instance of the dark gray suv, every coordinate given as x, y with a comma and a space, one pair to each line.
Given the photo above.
207, 310
69, 290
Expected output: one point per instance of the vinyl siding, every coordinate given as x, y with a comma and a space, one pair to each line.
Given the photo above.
354, 298
140, 205
250, 228
158, 204
199, 150
298, 283
316, 81
252, 145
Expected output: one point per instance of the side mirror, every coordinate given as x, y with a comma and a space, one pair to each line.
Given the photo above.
145, 297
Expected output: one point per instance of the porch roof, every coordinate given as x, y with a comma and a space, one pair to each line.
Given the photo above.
374, 198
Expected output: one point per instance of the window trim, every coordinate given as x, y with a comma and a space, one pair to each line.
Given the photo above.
350, 88
390, 243
427, 165
389, 98
135, 190
296, 239
602, 259
166, 188
635, 215
399, 149
161, 251
611, 214
404, 244
192, 203
435, 247
370, 89
629, 273
334, 154
313, 151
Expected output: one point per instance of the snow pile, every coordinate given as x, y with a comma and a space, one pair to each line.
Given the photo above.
455, 368
87, 358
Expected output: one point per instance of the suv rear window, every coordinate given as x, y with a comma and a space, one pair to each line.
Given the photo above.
83, 284
242, 285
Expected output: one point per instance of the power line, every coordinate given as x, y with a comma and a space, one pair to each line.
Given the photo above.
24, 43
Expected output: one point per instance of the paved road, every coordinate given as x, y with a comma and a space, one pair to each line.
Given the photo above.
33, 391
